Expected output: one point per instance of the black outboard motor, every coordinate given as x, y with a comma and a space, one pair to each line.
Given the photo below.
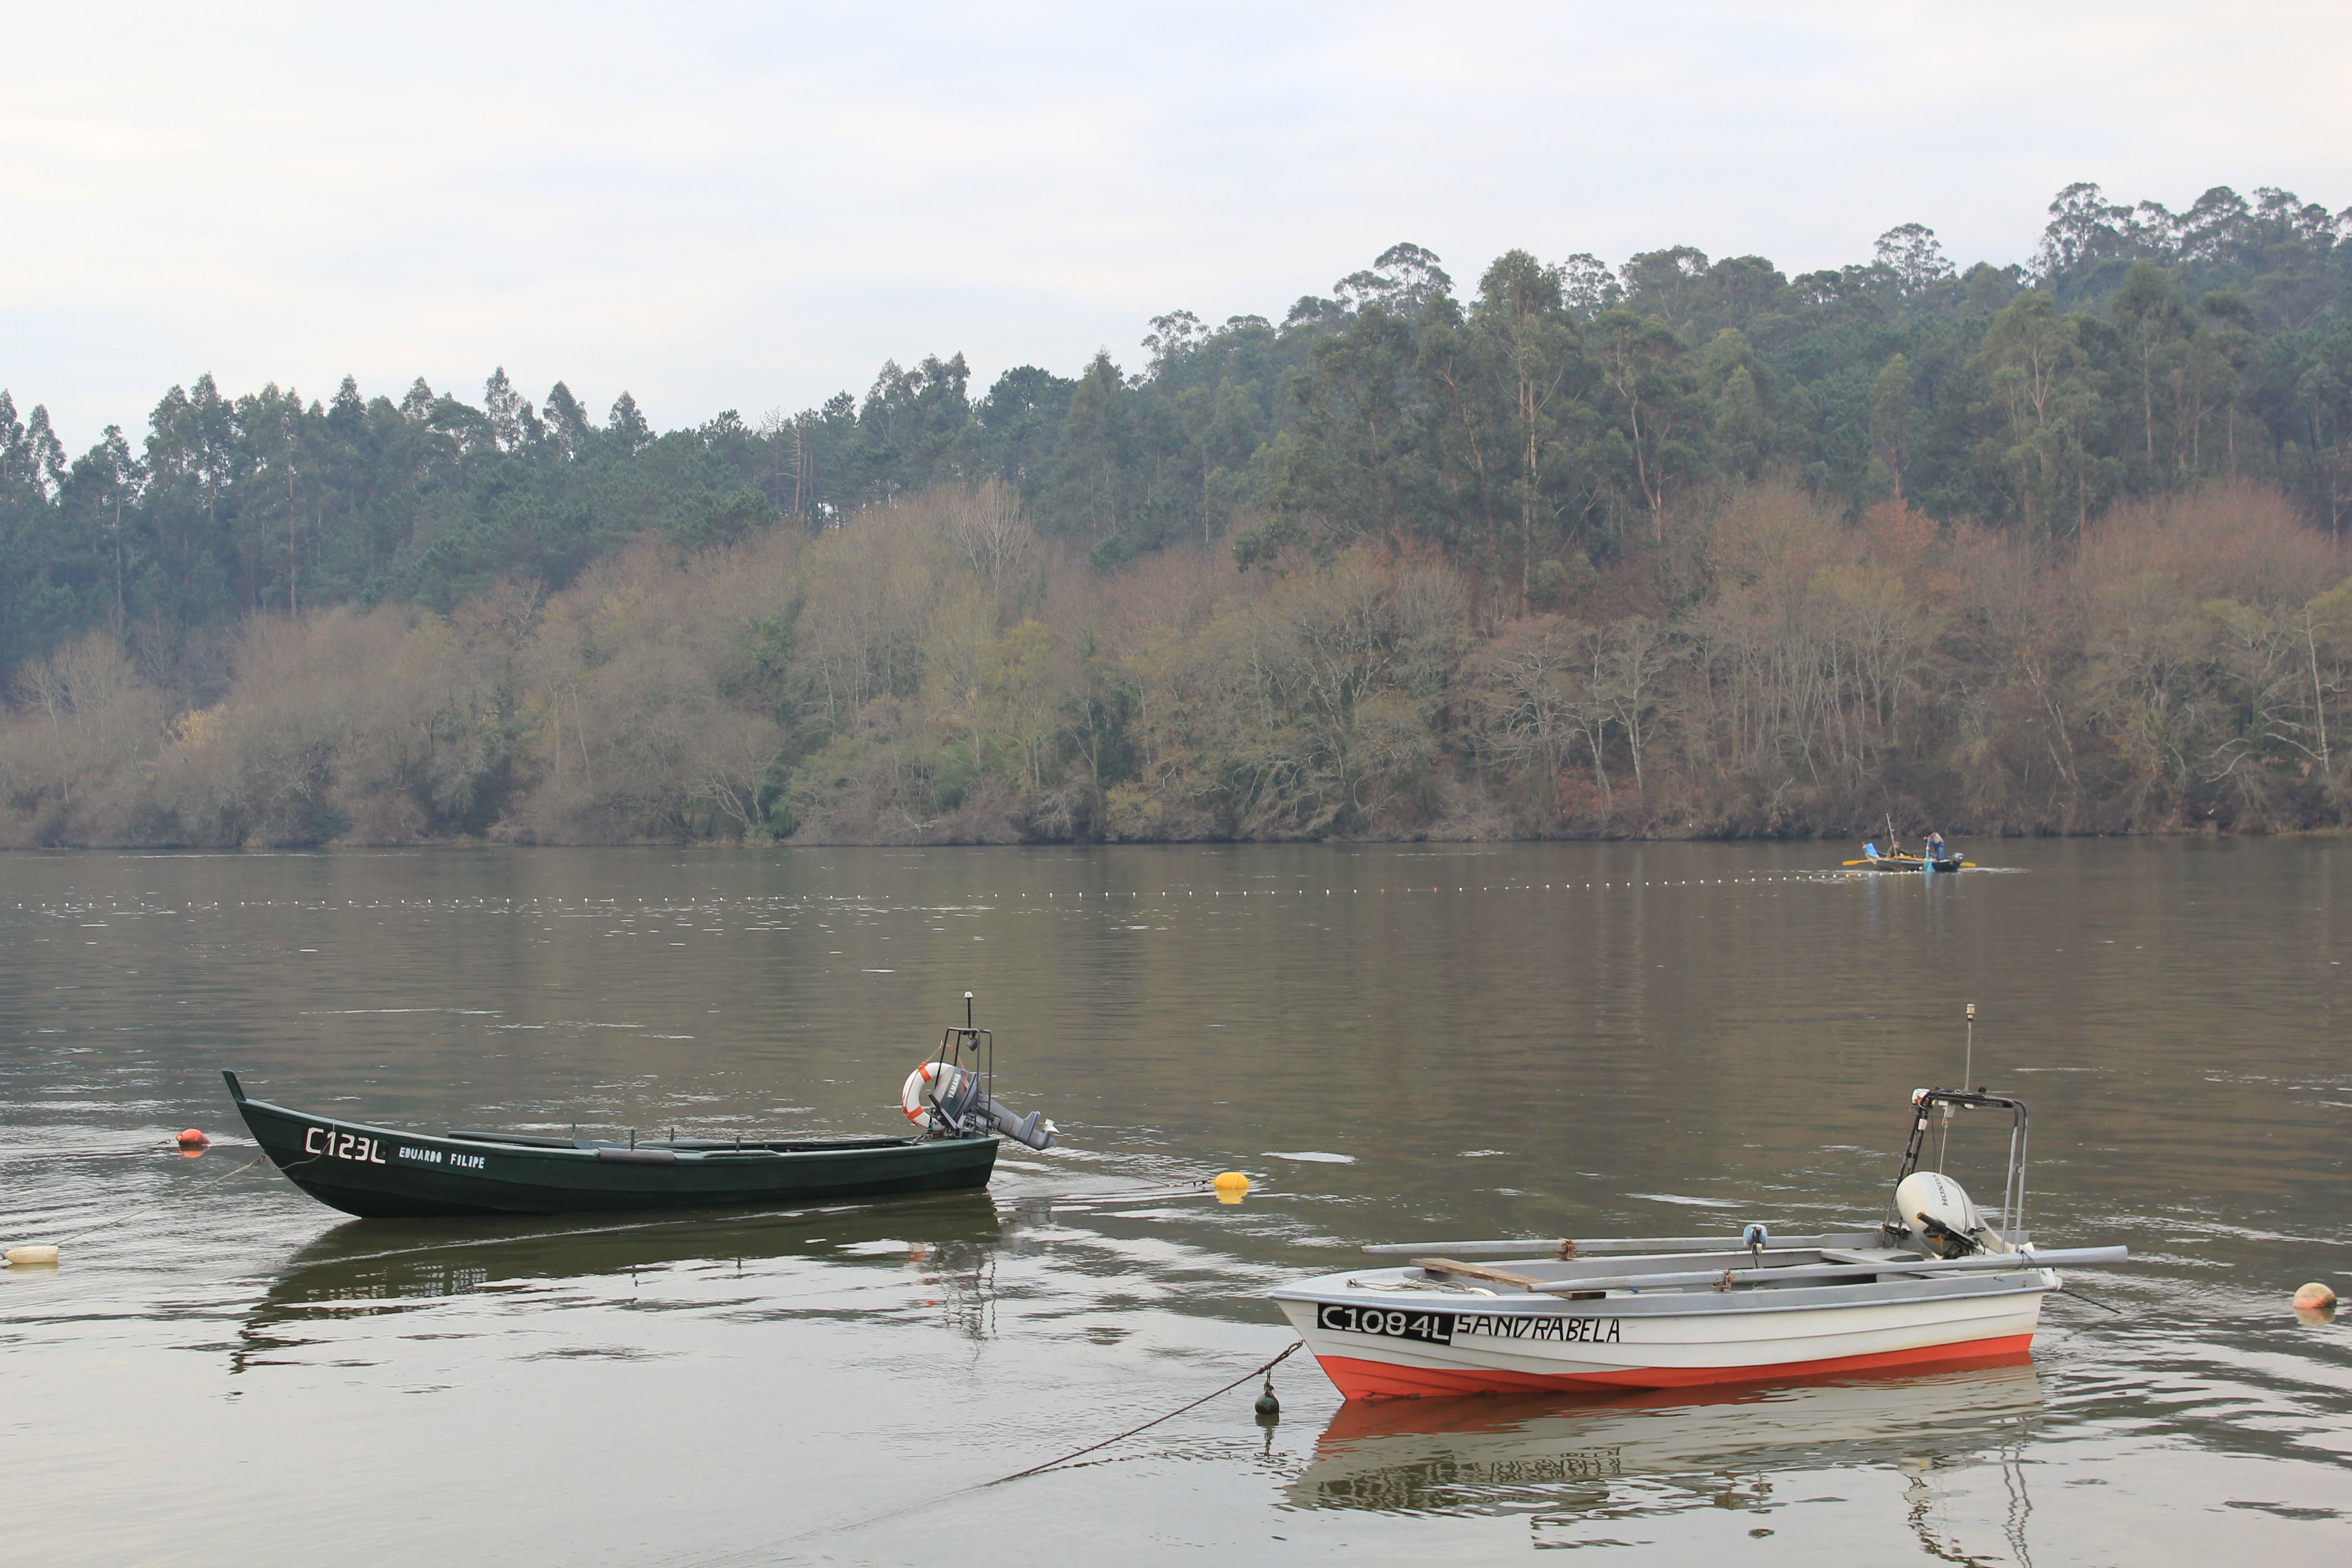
950, 1099
958, 1104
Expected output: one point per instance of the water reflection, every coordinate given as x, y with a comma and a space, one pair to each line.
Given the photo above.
944, 1245
1612, 1458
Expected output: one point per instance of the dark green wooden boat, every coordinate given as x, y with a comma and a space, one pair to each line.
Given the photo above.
384, 1174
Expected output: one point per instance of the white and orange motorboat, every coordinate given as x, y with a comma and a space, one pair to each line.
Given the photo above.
1934, 1284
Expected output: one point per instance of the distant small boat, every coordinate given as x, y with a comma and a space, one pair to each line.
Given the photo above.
382, 1172
1873, 860
1935, 1283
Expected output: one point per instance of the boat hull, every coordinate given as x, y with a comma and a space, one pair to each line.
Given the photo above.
381, 1172
1381, 1345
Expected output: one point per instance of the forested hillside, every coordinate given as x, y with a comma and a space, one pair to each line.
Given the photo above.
1684, 546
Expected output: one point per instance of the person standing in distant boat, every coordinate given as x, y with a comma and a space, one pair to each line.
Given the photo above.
1934, 847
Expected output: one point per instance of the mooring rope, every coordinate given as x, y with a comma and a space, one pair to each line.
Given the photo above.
1264, 1370
140, 1213
2070, 1291
1202, 1189
1288, 1350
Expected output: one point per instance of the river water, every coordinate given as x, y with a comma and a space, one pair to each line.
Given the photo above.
1396, 1043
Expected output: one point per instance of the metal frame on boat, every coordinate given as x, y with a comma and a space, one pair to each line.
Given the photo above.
1934, 1283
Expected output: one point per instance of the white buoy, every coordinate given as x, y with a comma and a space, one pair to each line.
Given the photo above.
22, 1256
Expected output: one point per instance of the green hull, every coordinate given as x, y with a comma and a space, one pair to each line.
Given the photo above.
381, 1172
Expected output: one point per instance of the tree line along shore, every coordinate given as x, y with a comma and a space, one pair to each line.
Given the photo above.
1679, 548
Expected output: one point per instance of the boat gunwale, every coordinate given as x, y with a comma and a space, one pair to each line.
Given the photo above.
1628, 1246
556, 1152
1680, 1303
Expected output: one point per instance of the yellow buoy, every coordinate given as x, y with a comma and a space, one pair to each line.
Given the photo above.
19, 1256
1231, 1186
2312, 1297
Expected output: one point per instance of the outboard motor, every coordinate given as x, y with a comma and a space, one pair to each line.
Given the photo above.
949, 1099
1936, 1209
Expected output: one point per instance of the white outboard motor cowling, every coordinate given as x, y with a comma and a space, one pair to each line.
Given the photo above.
1936, 1210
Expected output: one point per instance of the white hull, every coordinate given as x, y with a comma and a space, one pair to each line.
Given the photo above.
1376, 1340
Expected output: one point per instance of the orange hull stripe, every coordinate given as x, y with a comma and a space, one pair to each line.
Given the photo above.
1378, 1379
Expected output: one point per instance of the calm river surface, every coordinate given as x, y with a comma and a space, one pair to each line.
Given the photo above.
1398, 1043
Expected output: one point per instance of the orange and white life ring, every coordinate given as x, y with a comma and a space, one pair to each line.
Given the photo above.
926, 1084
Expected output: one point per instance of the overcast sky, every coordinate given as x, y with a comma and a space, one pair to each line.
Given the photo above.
750, 206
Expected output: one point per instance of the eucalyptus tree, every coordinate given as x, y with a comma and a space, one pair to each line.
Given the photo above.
1652, 400
2044, 393
1539, 355
101, 494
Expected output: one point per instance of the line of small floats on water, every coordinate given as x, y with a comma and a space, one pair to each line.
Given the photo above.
1895, 859
1937, 1281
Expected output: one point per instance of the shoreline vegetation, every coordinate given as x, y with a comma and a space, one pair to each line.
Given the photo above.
1682, 549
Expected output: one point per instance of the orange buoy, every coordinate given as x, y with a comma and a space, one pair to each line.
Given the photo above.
193, 1138
2315, 1298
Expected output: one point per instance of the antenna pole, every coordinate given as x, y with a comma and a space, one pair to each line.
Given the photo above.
1967, 1067
971, 1038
